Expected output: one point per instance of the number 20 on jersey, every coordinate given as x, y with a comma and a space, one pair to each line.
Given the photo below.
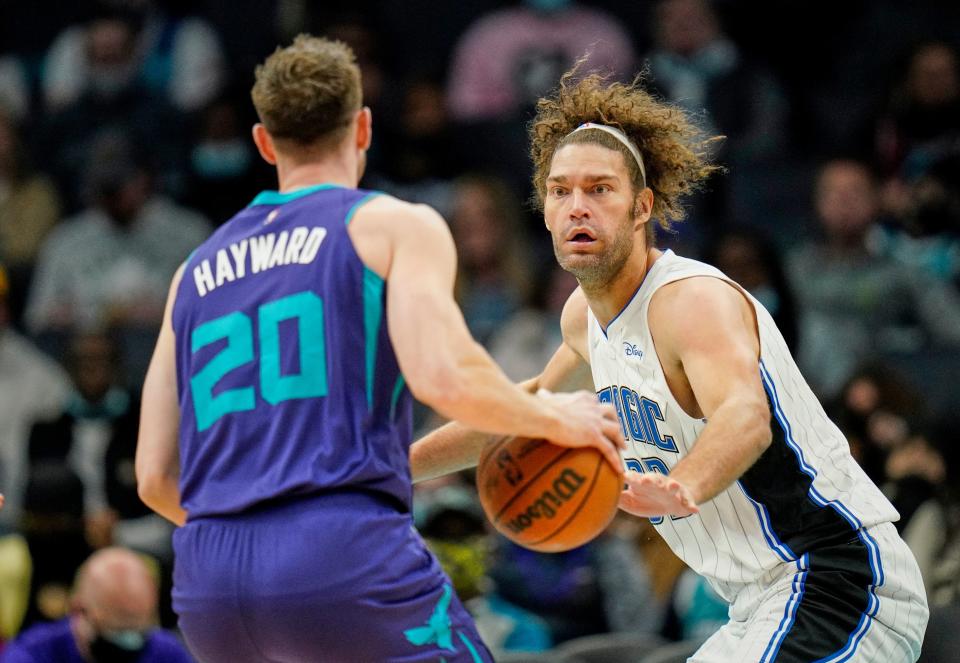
306, 308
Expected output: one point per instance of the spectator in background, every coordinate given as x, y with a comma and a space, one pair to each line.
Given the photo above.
698, 67
420, 153
112, 618
853, 305
524, 343
884, 419
34, 387
224, 172
487, 228
95, 435
29, 207
506, 59
752, 260
510, 57
875, 410
924, 107
600, 587
109, 93
175, 56
14, 88
916, 474
695, 65
561, 588
448, 515
926, 232
66, 514
110, 265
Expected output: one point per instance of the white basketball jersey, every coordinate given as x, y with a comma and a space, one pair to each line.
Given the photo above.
805, 491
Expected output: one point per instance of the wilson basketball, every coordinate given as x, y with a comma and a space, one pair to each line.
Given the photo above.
546, 497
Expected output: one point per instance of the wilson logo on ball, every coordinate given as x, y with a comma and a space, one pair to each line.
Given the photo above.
564, 487
546, 497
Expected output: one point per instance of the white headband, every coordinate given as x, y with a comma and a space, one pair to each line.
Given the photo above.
620, 136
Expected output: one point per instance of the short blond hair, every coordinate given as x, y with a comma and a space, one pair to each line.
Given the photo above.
675, 152
308, 92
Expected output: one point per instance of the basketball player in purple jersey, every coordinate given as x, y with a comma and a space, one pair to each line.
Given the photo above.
276, 420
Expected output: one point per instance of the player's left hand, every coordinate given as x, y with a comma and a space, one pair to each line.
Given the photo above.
652, 494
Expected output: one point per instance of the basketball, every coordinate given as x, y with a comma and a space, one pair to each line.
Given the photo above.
546, 497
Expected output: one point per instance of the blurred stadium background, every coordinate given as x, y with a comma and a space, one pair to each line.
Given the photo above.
124, 140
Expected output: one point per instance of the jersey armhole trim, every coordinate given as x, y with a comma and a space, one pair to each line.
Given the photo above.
357, 205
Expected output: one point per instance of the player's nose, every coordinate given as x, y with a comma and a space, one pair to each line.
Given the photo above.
578, 205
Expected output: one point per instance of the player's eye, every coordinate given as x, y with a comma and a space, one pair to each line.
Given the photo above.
557, 191
601, 188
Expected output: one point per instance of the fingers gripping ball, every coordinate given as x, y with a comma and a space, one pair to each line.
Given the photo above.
546, 497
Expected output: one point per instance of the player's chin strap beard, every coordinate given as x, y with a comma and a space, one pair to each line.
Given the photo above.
620, 136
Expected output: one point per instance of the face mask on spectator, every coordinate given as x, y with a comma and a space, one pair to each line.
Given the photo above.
222, 159
548, 6
118, 647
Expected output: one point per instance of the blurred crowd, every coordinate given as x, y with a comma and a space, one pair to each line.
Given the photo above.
124, 141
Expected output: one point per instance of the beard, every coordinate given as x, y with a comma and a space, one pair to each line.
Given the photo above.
595, 270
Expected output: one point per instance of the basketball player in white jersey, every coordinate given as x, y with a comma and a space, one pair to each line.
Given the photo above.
732, 456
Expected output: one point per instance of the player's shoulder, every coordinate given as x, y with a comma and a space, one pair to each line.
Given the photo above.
691, 310
398, 220
690, 290
384, 208
699, 295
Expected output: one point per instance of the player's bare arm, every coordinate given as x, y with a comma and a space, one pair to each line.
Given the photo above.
455, 446
157, 460
706, 339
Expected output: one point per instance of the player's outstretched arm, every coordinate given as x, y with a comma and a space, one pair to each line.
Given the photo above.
443, 365
705, 332
157, 461
455, 447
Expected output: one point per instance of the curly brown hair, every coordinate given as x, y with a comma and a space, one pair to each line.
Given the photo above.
675, 152
307, 92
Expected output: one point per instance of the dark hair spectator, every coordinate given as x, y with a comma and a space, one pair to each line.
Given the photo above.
29, 208
751, 259
493, 273
852, 304
112, 263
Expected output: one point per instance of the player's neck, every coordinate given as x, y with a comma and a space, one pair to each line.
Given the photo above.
608, 300
292, 175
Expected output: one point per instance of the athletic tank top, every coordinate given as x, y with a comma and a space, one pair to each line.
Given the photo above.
805, 490
287, 381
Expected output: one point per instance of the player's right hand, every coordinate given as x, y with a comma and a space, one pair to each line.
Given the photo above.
652, 494
583, 421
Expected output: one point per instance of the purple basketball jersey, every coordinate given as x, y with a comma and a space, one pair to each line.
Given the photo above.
288, 384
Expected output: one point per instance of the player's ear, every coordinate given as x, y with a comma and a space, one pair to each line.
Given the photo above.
264, 143
364, 129
643, 205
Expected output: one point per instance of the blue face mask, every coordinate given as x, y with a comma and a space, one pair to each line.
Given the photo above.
118, 647
221, 160
548, 6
